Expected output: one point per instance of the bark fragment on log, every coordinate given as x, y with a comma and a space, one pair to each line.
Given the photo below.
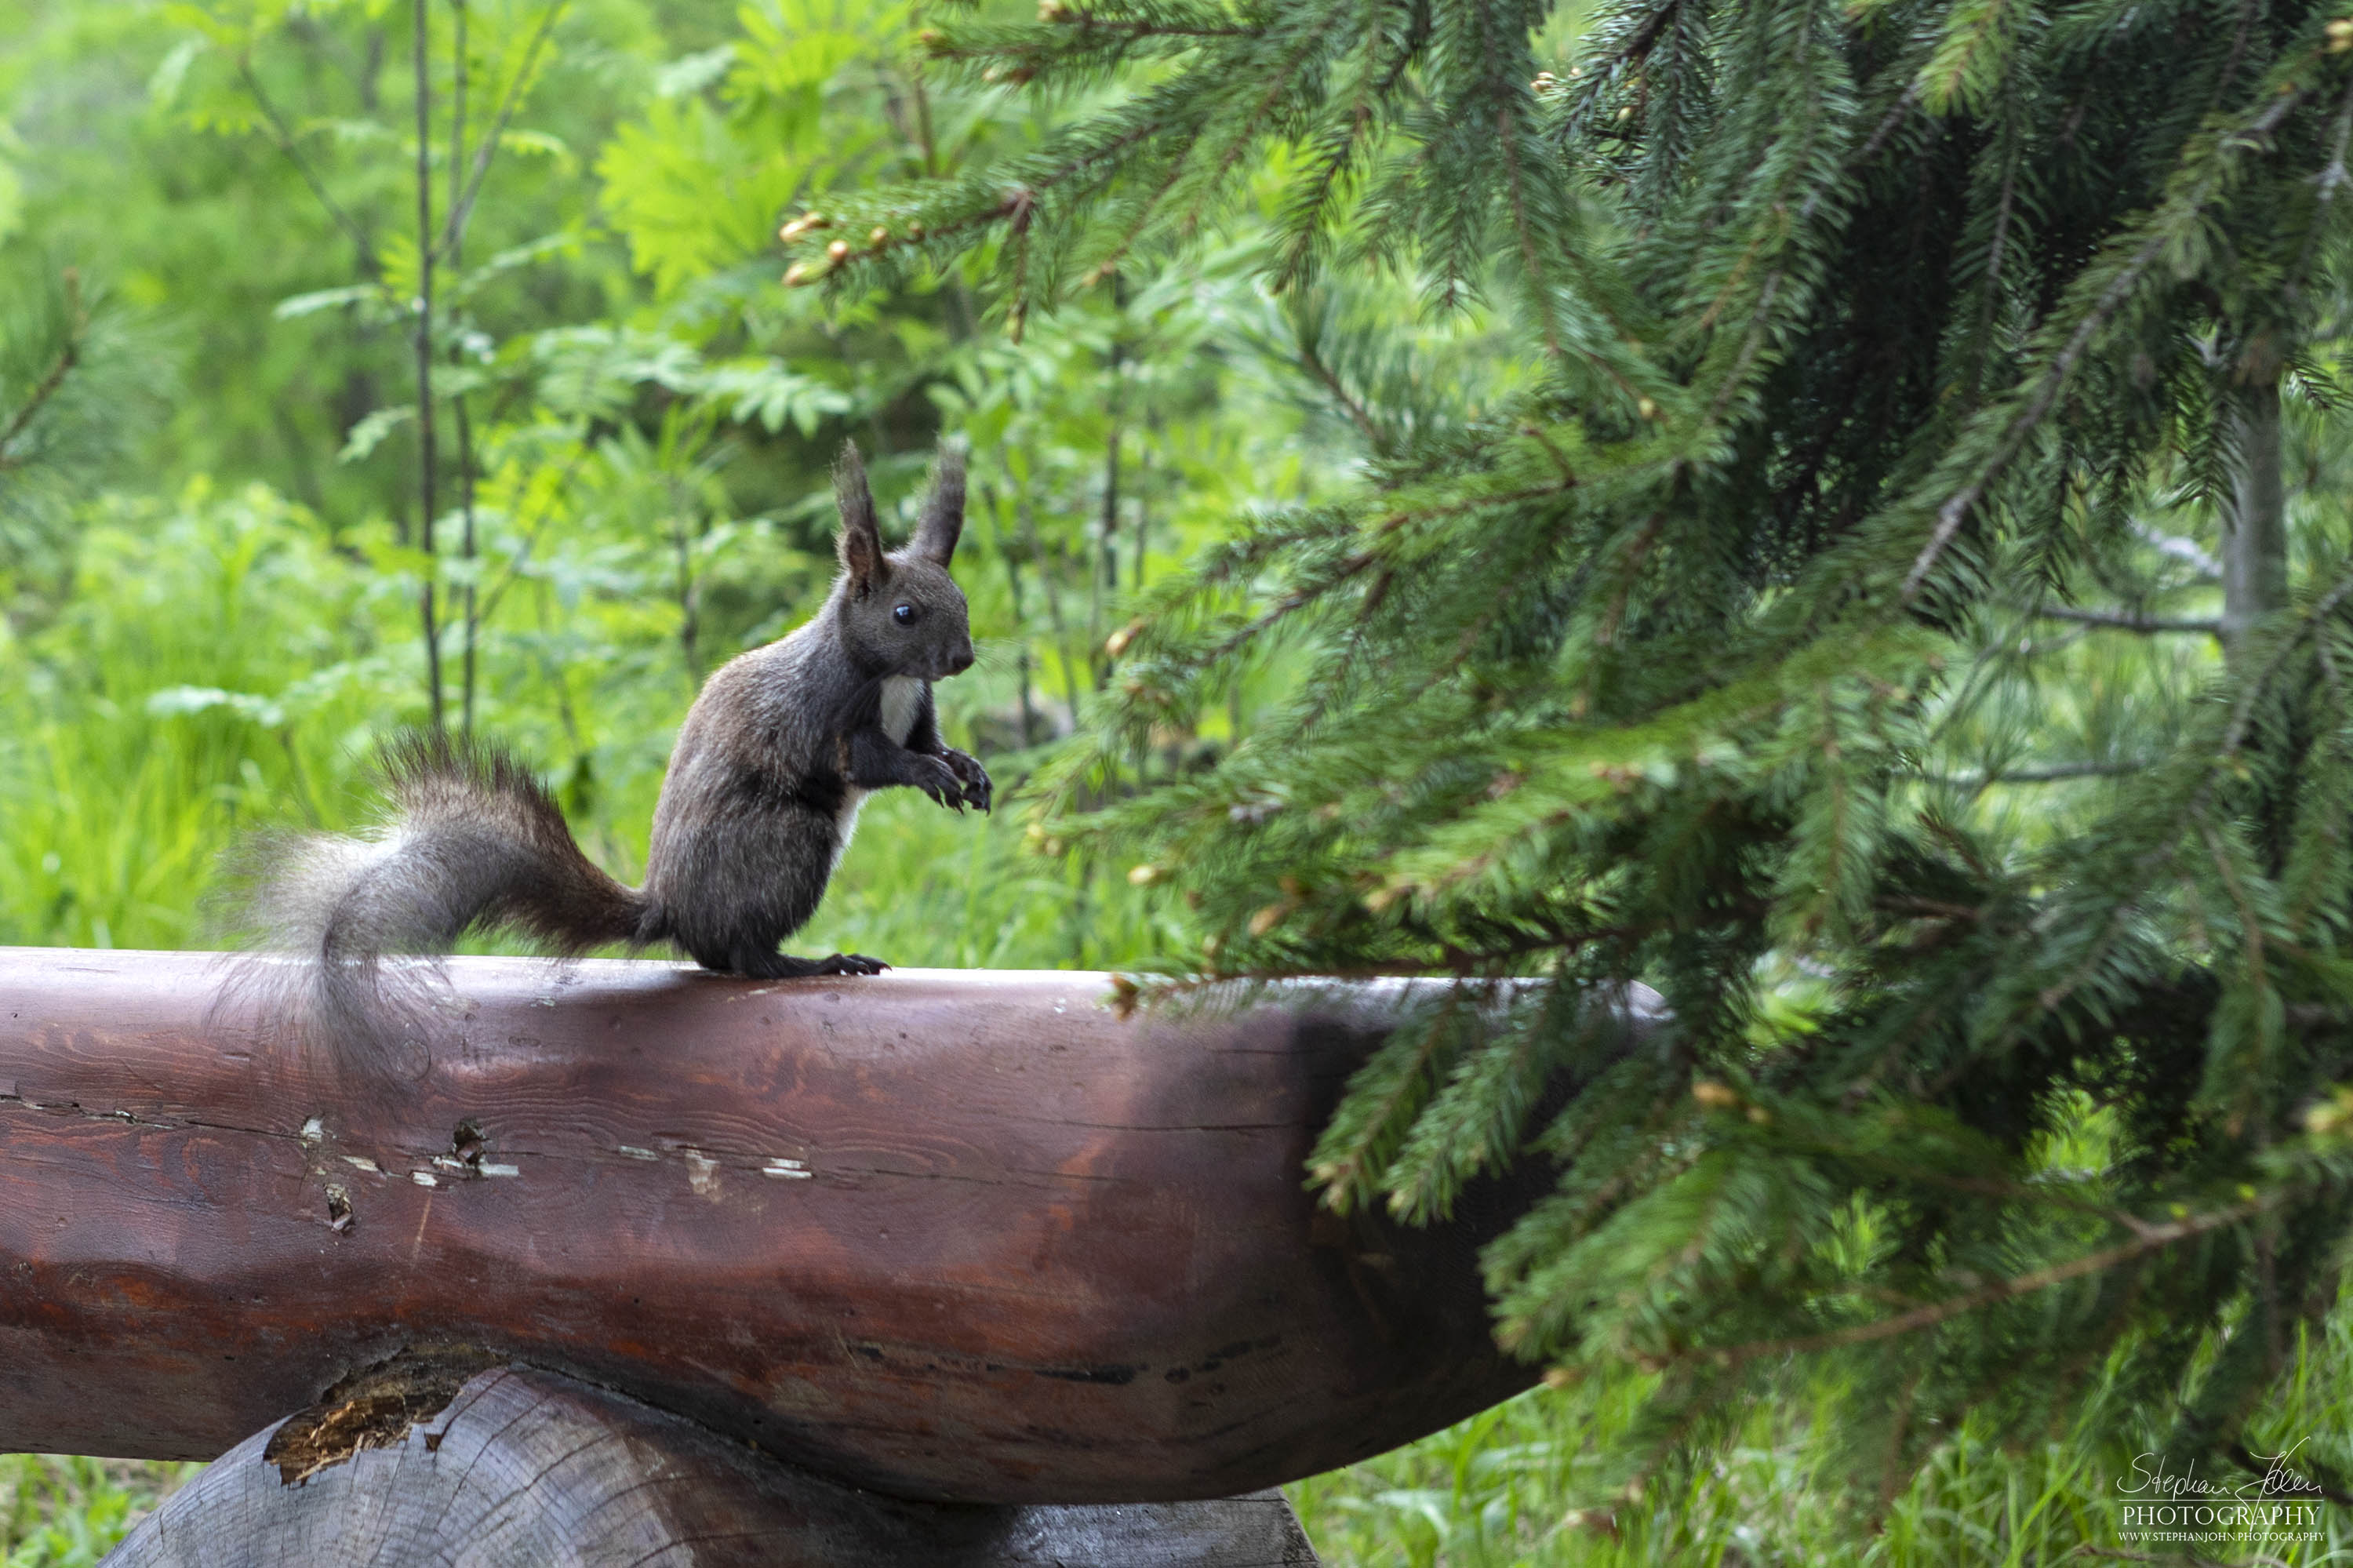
957, 1236
523, 1468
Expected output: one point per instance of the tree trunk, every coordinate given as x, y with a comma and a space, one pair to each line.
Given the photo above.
516, 1467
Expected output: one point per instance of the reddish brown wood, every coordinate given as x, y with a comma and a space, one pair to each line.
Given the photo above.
947, 1234
521, 1469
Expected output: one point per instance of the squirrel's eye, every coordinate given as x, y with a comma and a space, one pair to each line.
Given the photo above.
905, 614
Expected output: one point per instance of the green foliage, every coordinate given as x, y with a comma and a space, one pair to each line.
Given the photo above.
639, 476
68, 406
1530, 1484
1872, 341
150, 718
58, 1512
1544, 497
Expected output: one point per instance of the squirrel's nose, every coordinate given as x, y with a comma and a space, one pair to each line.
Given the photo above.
961, 660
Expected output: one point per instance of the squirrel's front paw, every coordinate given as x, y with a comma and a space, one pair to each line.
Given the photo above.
937, 779
977, 789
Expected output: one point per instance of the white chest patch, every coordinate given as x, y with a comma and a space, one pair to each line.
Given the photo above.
903, 697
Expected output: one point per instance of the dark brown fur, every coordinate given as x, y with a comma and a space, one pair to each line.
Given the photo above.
762, 788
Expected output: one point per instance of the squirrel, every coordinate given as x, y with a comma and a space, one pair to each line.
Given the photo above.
777, 755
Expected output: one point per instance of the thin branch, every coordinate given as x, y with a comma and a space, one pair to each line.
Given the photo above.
284, 137
2331, 179
1753, 341
2126, 620
2157, 856
2154, 1239
466, 476
1479, 966
1991, 1186
1507, 139
1312, 363
1109, 526
2061, 367
1300, 598
1086, 27
68, 357
462, 208
1601, 74
1333, 161
2054, 773
424, 498
1997, 250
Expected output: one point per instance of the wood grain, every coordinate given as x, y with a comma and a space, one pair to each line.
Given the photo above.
954, 1235
527, 1468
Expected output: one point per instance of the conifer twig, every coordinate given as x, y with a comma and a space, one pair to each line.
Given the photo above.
76, 328
1313, 364
2155, 1238
2126, 620
2331, 179
2061, 369
2053, 773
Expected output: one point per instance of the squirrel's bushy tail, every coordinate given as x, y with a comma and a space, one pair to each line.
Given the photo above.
472, 843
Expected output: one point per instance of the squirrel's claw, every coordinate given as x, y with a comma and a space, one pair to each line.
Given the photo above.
941, 783
973, 778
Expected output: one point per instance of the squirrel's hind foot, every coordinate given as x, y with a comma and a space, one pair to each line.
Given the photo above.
784, 966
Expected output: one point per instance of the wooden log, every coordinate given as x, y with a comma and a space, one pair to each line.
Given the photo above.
521, 1467
957, 1236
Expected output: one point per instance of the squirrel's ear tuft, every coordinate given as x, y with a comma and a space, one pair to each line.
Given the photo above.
860, 543
943, 524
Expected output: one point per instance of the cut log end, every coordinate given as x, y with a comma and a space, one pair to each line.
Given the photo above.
513, 1465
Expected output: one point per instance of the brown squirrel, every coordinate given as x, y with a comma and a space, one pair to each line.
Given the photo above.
762, 792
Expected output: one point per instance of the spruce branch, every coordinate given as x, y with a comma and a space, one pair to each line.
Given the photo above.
2151, 1240
2052, 773
1309, 201
69, 358
1315, 592
1859, 345
2126, 621
2210, 775
2026, 413
1239, 139
2332, 178
1735, 380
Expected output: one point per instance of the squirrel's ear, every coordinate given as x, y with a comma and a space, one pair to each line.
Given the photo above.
861, 542
943, 524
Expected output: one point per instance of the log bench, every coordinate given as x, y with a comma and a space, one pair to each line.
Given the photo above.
964, 1266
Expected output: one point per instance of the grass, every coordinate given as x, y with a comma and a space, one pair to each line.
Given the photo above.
62, 1512
1519, 1486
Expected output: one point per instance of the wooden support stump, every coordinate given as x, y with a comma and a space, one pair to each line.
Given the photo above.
520, 1468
